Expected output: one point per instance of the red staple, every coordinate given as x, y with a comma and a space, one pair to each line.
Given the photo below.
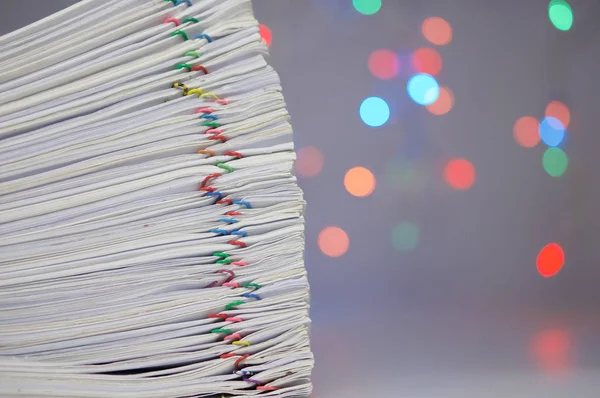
200, 67
208, 178
218, 137
176, 21
233, 153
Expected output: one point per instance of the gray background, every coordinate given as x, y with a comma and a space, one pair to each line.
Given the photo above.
466, 313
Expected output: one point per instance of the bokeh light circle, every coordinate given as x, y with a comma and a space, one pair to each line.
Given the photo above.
560, 111
560, 14
525, 131
333, 241
551, 349
359, 181
405, 176
555, 161
367, 7
405, 236
427, 60
437, 30
309, 161
550, 260
444, 102
423, 89
383, 64
459, 174
265, 34
552, 131
374, 111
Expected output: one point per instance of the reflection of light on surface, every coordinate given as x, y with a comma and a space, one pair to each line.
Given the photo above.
525, 131
374, 111
427, 60
551, 131
423, 89
437, 31
459, 174
550, 260
443, 104
384, 64
333, 241
309, 161
555, 162
265, 34
359, 181
560, 111
405, 236
560, 14
551, 350
367, 7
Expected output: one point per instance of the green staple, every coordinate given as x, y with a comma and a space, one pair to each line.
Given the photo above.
225, 261
220, 254
180, 32
212, 124
254, 285
192, 54
181, 66
221, 331
194, 20
225, 166
233, 304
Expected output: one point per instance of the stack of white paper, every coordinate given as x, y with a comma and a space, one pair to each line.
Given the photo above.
151, 225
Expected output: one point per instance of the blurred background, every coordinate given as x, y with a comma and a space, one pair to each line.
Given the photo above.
447, 152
